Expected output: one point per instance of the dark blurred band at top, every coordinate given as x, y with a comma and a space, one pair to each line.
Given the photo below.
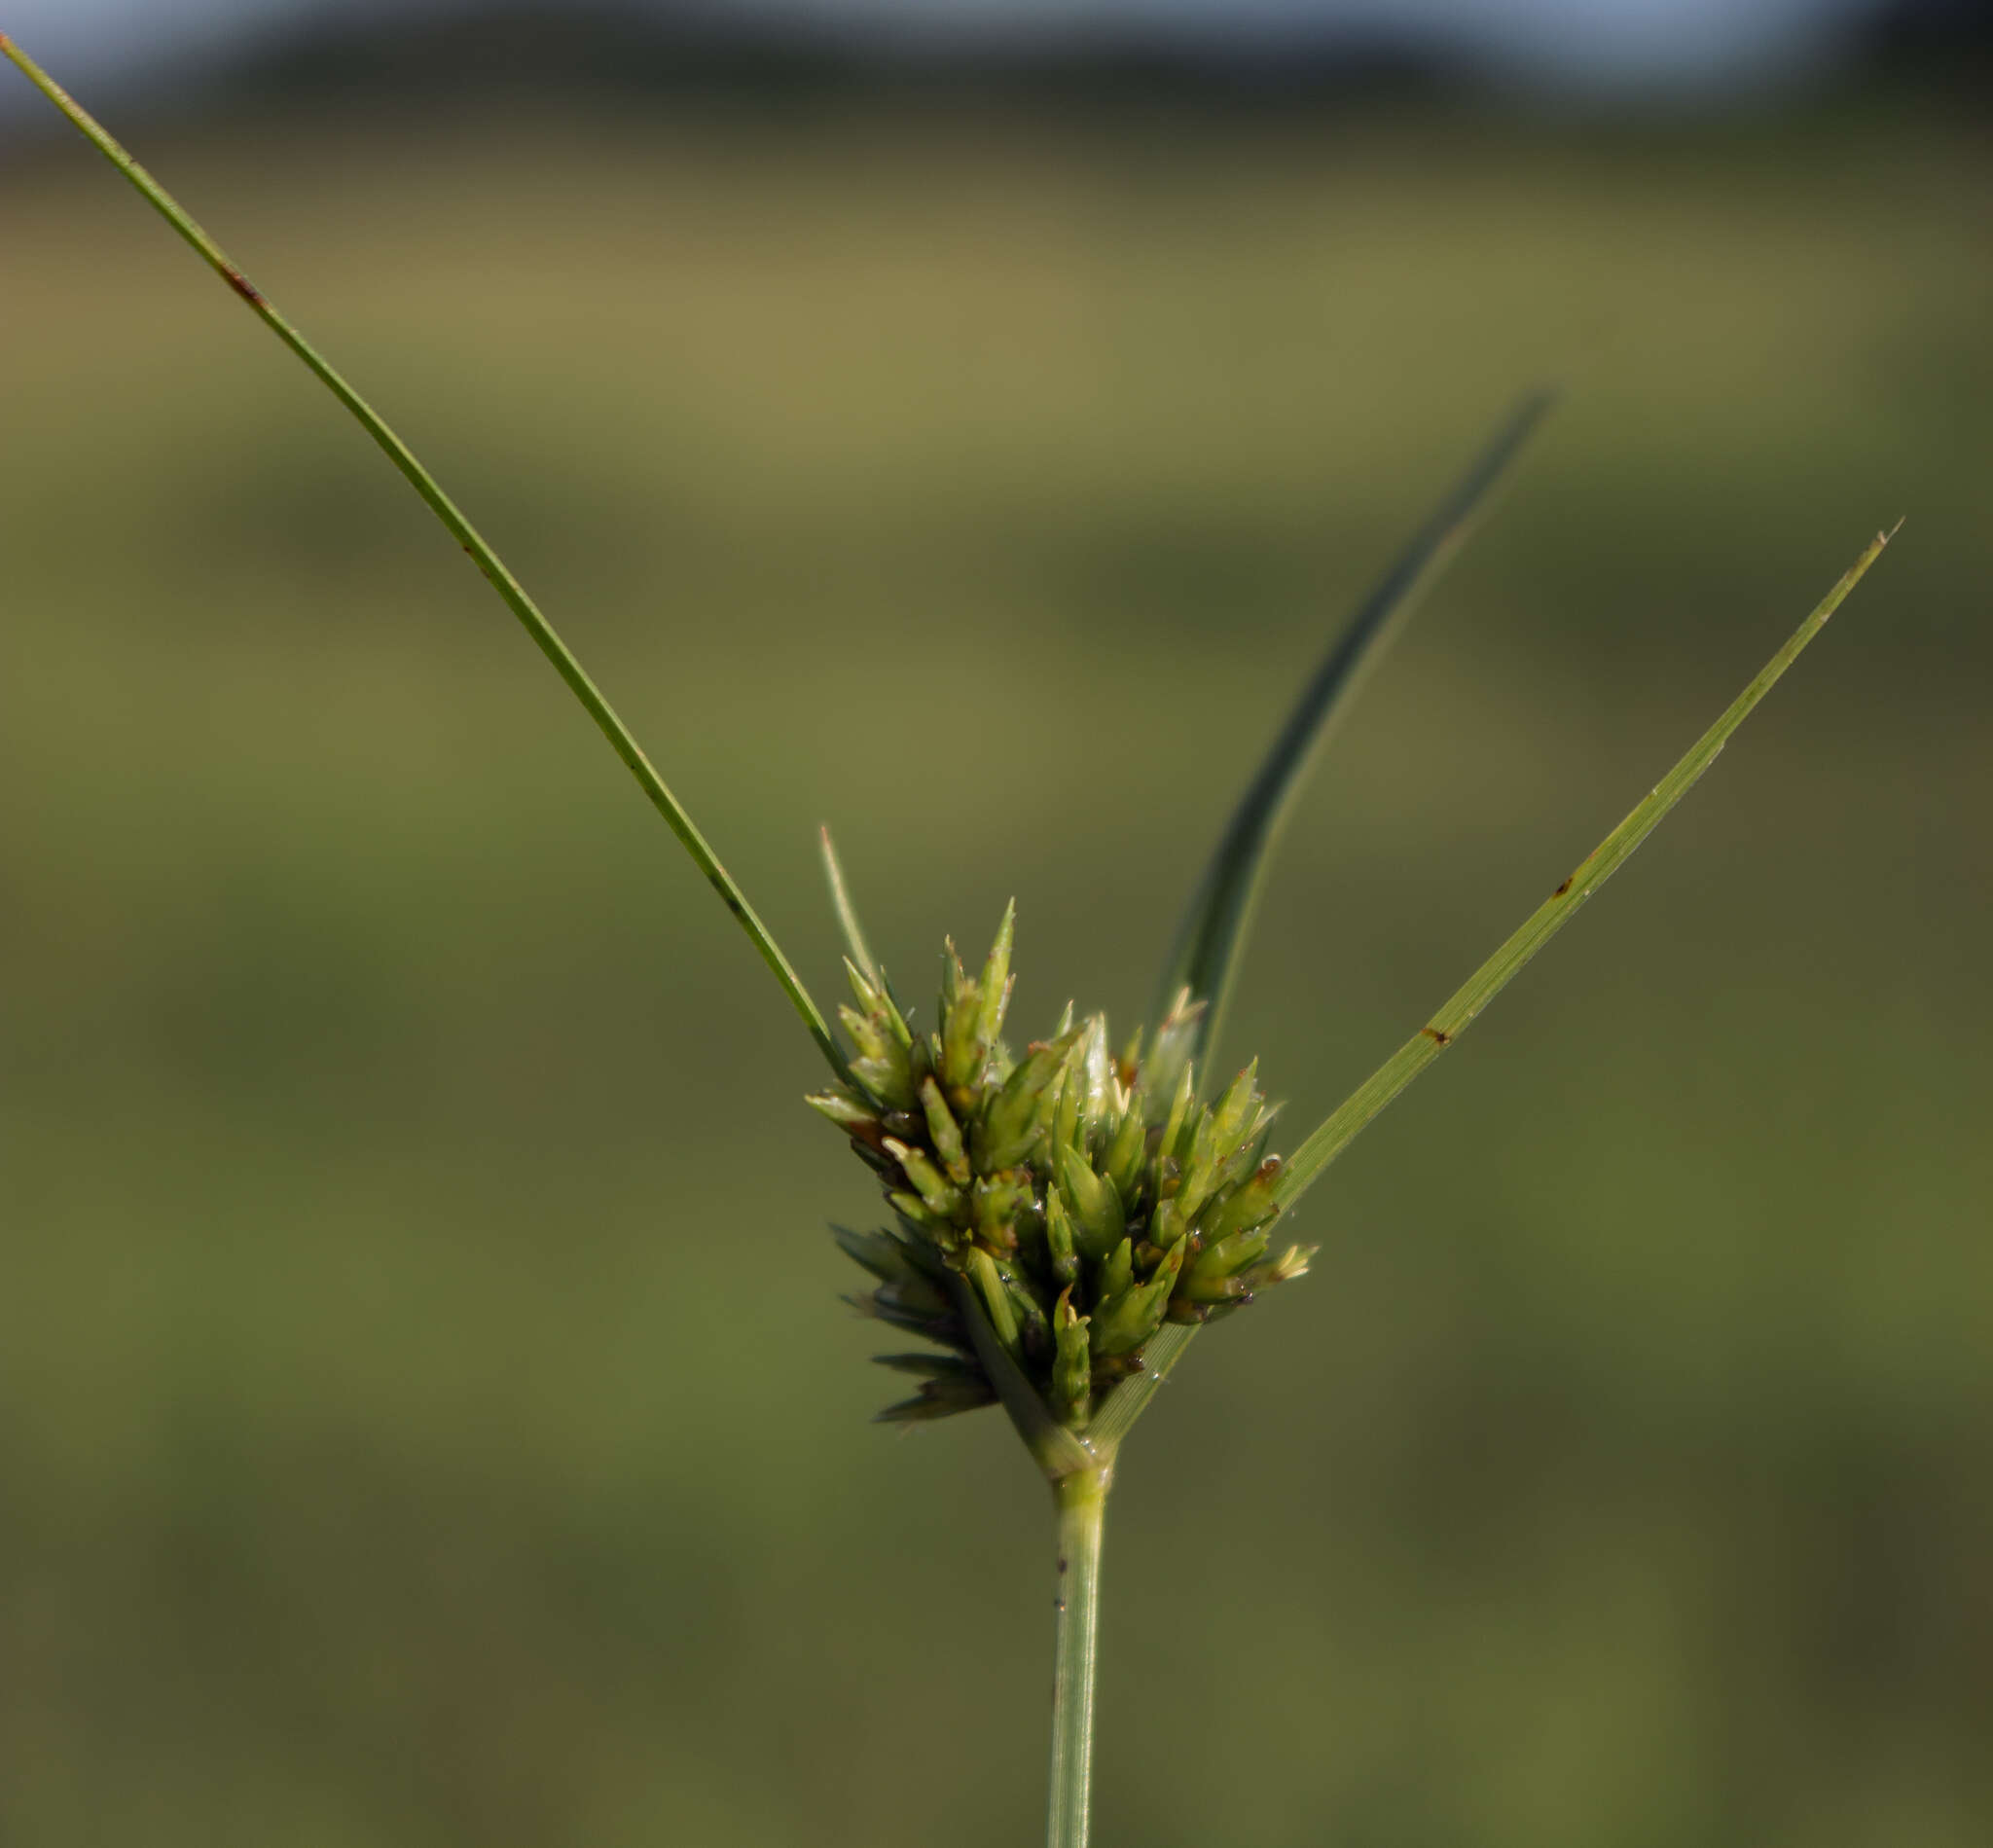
1228, 52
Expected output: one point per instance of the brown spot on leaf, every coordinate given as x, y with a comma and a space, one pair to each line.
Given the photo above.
1437, 1036
244, 288
1566, 887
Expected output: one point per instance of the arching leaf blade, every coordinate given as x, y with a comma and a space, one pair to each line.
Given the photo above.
458, 524
1215, 924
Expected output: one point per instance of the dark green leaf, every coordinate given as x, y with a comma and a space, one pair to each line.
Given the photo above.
1214, 925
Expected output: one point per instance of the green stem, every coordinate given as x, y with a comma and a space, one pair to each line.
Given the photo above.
508, 587
1082, 1500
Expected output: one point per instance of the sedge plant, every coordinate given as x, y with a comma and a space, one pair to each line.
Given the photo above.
1063, 1217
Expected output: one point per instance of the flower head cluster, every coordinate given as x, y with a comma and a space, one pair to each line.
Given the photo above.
1070, 1200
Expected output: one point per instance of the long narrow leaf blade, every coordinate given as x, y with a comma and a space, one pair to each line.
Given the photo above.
508, 587
1221, 911
1552, 914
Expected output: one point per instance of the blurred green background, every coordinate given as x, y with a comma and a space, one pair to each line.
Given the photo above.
426, 1415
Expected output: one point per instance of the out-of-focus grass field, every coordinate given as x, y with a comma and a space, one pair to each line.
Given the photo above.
426, 1411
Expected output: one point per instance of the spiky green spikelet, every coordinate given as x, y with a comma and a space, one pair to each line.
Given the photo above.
1078, 1199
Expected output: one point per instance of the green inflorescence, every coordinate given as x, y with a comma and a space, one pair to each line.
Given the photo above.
1074, 1198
